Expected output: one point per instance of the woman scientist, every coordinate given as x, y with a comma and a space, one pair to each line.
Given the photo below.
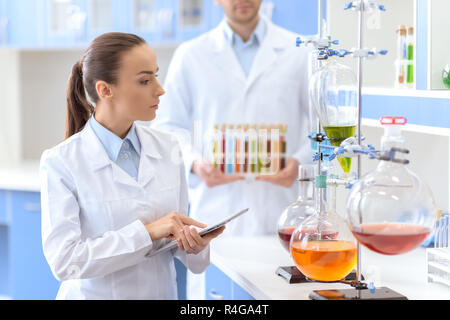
114, 191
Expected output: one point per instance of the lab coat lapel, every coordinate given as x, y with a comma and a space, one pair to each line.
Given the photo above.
271, 47
224, 56
149, 155
99, 159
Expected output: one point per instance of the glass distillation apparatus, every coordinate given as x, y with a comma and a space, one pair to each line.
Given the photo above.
322, 246
389, 210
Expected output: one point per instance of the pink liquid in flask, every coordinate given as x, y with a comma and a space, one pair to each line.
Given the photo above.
391, 238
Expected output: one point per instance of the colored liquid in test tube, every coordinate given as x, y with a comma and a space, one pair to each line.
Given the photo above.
268, 159
275, 150
231, 149
223, 146
283, 130
216, 146
246, 148
262, 148
253, 142
239, 149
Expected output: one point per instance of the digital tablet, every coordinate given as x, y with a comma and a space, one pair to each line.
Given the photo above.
173, 244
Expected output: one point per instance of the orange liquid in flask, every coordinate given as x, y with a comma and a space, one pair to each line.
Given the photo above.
324, 260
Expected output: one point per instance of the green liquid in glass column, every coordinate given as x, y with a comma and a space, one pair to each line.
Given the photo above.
341, 133
446, 76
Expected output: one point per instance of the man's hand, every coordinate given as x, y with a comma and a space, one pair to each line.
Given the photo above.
285, 177
212, 176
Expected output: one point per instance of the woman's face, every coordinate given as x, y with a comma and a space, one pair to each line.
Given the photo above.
136, 94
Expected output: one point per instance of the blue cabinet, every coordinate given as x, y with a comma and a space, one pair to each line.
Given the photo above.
74, 23
297, 16
21, 23
193, 18
151, 19
220, 287
24, 272
218, 284
181, 279
3, 219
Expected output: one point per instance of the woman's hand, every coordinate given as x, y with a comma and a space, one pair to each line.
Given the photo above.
170, 226
191, 241
212, 176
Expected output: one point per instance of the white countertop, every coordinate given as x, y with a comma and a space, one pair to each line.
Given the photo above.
21, 177
251, 262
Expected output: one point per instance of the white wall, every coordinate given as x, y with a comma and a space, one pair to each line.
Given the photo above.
9, 118
343, 26
440, 43
33, 98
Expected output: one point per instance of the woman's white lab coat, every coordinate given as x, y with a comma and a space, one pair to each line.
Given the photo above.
93, 217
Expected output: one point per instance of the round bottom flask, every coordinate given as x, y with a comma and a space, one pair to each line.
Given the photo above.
391, 210
322, 246
300, 209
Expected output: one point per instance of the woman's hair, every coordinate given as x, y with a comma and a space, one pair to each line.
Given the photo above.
101, 61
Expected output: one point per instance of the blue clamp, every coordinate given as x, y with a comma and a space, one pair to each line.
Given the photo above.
371, 288
339, 150
381, 7
348, 5
298, 41
335, 42
383, 52
342, 52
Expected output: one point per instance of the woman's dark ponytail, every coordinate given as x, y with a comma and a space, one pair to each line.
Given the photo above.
78, 108
101, 62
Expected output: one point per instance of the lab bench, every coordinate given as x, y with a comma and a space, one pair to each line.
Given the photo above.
252, 268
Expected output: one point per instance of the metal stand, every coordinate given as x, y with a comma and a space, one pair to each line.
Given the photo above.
292, 275
360, 291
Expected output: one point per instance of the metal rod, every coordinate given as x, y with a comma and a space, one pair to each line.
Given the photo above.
320, 26
360, 82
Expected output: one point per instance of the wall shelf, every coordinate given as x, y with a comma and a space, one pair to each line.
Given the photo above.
438, 94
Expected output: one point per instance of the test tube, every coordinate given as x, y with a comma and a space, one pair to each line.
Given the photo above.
283, 146
275, 151
239, 149
410, 57
231, 149
267, 162
400, 64
223, 145
253, 141
246, 145
216, 145
262, 147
